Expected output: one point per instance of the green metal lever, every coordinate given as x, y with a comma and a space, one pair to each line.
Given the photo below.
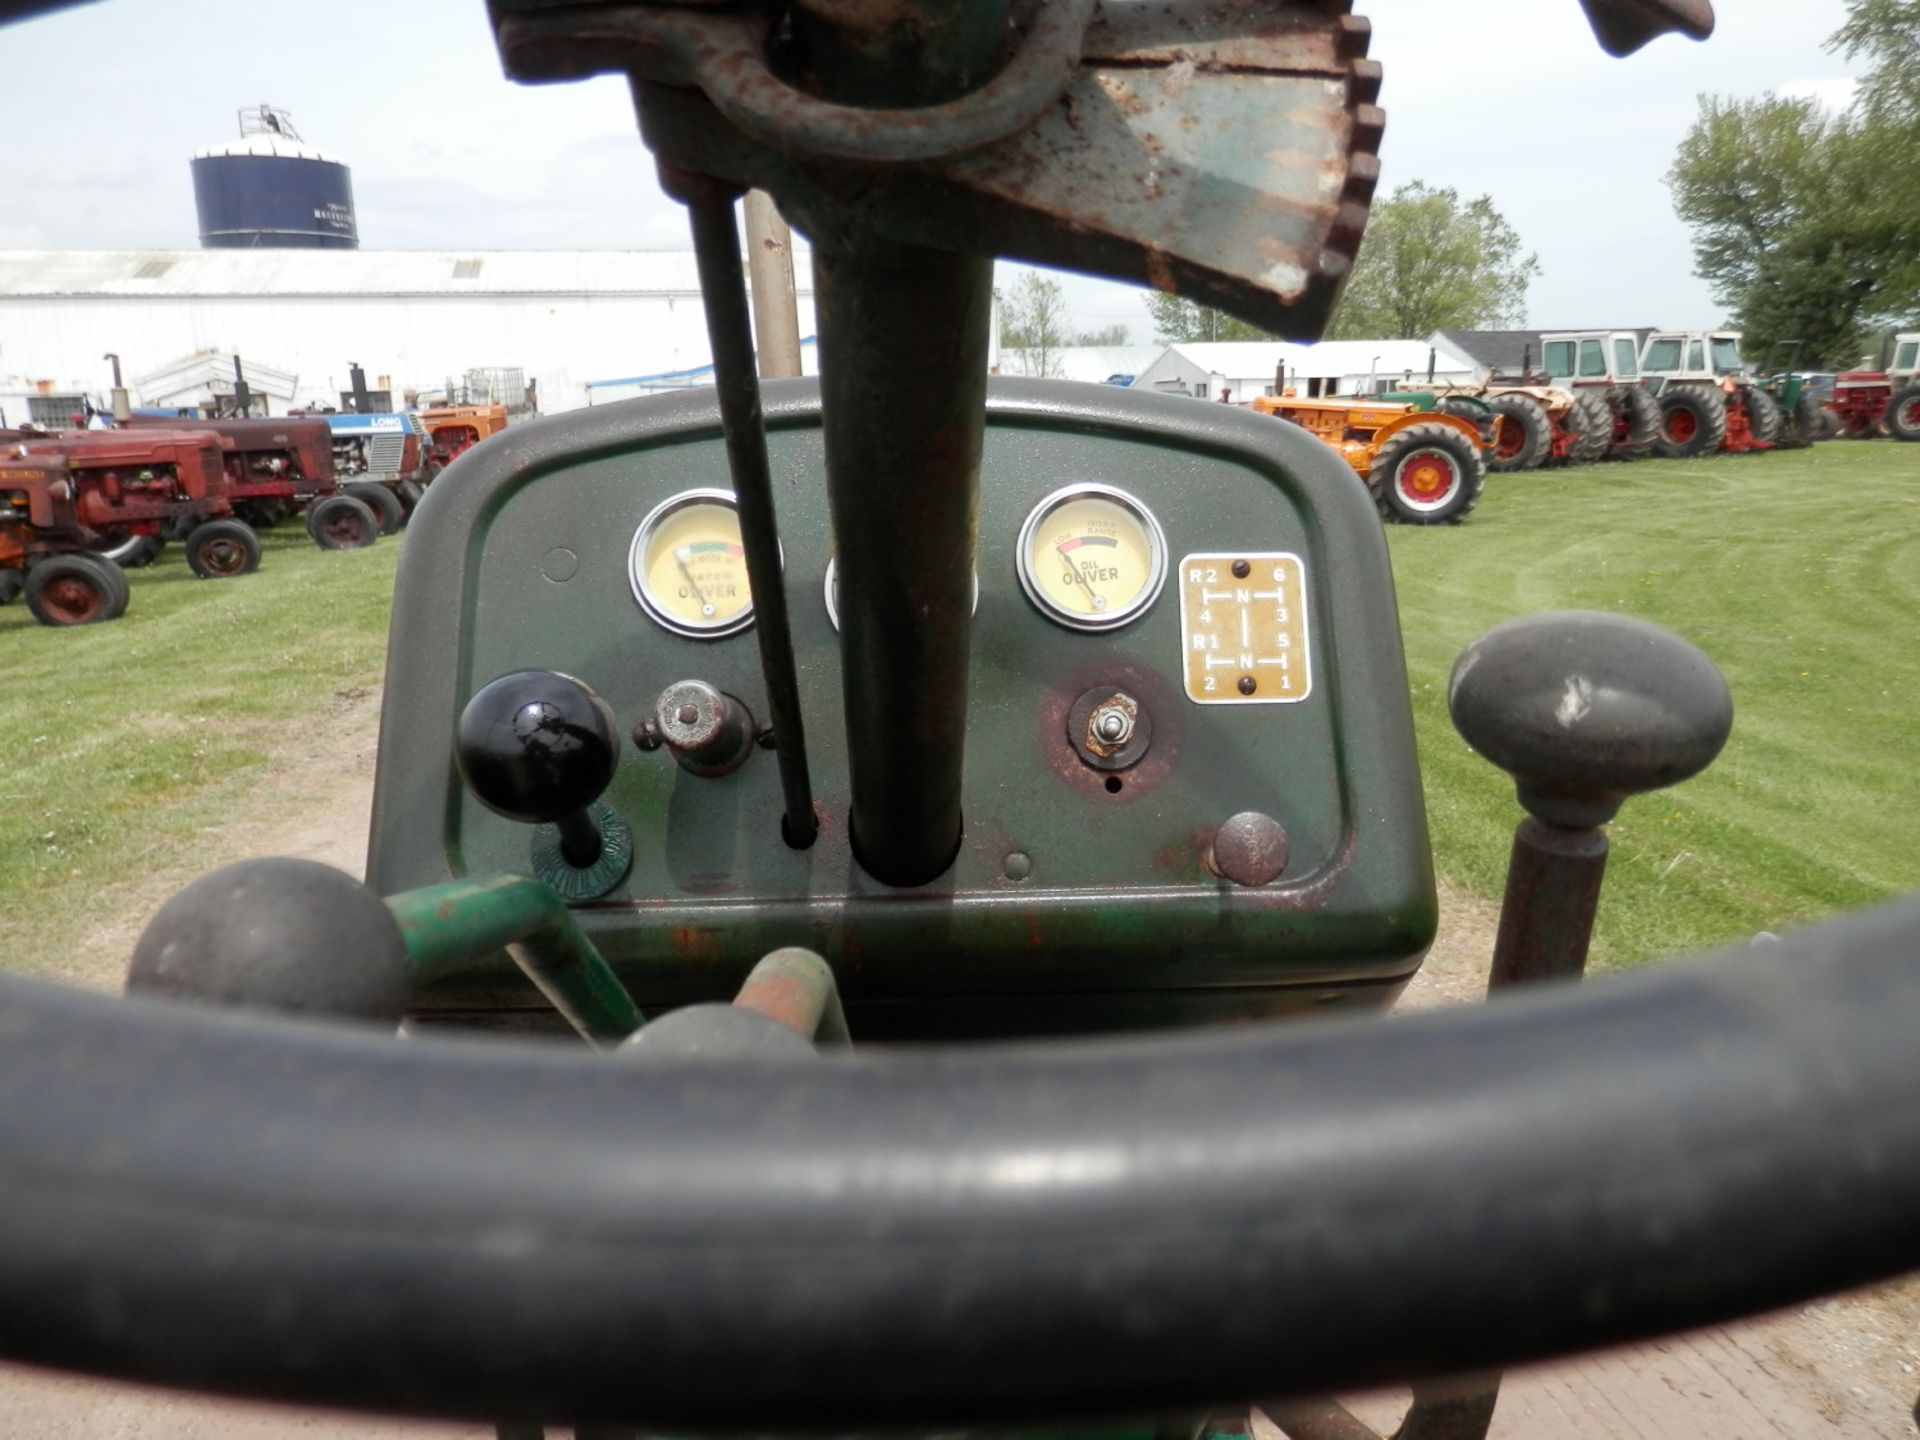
446, 926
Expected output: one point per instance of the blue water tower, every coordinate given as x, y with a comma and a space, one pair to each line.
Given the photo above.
269, 189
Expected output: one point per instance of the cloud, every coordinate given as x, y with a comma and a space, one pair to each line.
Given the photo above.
1834, 92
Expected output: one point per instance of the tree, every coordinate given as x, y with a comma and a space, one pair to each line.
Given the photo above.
1184, 322
1888, 33
1807, 223
1033, 326
1118, 333
1433, 262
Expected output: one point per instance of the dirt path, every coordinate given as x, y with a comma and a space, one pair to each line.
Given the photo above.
1845, 1369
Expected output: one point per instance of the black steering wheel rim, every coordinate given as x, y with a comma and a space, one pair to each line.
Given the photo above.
493, 1230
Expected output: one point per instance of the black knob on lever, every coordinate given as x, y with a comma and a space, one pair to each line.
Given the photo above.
1583, 709
540, 747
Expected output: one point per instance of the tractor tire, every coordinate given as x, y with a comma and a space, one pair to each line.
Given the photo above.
1764, 418
1693, 422
1801, 425
385, 505
1591, 421
1427, 475
223, 549
1642, 414
411, 493
134, 551
75, 589
340, 522
1828, 425
1903, 415
11, 583
1526, 437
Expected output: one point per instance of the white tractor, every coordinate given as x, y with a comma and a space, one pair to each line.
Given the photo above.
1708, 402
1602, 367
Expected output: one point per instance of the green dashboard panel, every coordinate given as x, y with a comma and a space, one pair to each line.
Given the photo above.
1081, 898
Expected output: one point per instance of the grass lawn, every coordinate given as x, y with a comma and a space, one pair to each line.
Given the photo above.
125, 740
1799, 574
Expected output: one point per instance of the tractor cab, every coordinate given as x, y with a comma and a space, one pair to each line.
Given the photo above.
1692, 357
733, 737
1581, 359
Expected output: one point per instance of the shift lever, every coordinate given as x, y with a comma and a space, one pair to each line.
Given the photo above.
539, 747
1583, 709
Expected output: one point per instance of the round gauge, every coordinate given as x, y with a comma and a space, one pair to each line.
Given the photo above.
1092, 557
688, 568
833, 592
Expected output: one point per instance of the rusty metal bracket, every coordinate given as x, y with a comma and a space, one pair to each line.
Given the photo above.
1224, 149
725, 55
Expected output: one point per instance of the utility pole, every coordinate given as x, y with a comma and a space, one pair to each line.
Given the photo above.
776, 314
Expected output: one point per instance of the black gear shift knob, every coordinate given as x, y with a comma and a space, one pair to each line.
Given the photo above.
535, 745
539, 747
1585, 709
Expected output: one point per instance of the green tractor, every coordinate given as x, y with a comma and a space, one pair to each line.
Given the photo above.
1800, 414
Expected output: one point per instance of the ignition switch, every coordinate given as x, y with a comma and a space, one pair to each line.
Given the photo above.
1109, 729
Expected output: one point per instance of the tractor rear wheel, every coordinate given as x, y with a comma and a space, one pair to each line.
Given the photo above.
1427, 475
410, 496
1828, 426
1591, 421
1802, 422
1903, 415
385, 505
75, 589
1526, 434
222, 549
1693, 421
11, 582
1640, 413
340, 522
1764, 419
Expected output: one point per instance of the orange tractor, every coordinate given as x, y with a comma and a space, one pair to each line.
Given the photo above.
452, 430
1425, 465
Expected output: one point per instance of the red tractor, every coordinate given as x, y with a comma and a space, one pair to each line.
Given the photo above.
43, 545
151, 484
1867, 403
274, 469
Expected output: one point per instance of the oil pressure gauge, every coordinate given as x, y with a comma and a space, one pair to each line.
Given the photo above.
688, 568
1092, 557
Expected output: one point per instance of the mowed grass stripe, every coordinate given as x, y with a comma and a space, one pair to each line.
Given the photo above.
125, 741
1799, 574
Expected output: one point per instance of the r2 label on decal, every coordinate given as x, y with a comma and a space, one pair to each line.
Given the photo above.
1243, 628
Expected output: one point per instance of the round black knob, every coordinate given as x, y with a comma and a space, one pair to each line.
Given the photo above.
291, 936
537, 746
1584, 709
1249, 849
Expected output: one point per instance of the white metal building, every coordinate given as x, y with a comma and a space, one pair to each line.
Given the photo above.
413, 319
1091, 364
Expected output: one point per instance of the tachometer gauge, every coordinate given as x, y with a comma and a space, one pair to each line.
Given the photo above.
688, 568
833, 592
1092, 557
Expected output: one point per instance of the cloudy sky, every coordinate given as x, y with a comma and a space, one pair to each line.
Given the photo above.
105, 104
